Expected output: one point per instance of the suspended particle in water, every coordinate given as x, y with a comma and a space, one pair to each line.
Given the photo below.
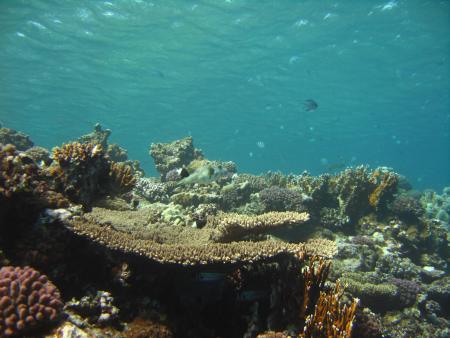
260, 144
250, 154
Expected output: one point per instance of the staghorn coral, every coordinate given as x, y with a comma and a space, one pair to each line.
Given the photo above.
168, 156
234, 226
28, 301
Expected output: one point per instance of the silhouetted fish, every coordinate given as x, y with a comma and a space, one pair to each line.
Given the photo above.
310, 105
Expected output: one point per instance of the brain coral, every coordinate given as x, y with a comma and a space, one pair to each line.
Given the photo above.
28, 300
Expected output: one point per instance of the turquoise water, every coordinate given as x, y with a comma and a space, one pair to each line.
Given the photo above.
234, 75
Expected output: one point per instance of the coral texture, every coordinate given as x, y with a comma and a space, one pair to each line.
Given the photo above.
83, 173
16, 138
168, 156
234, 226
28, 300
189, 254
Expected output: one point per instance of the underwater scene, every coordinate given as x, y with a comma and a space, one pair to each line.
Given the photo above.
224, 168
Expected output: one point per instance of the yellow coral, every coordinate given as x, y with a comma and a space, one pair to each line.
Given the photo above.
386, 181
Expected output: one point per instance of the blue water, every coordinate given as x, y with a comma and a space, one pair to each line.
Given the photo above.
234, 75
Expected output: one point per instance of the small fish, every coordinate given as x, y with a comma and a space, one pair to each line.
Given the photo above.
310, 105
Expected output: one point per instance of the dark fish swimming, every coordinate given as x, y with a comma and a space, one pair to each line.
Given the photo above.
310, 105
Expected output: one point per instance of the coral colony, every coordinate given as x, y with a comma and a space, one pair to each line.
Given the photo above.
91, 246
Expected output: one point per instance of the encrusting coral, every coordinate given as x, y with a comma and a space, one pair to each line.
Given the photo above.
28, 300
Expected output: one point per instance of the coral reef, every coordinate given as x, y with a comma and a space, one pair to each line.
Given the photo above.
406, 207
276, 198
83, 173
184, 254
234, 226
205, 251
22, 187
18, 139
98, 308
168, 156
28, 300
97, 136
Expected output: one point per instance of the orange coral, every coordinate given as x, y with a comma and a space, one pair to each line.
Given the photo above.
330, 318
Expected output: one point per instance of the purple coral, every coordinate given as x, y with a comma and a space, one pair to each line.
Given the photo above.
28, 300
407, 290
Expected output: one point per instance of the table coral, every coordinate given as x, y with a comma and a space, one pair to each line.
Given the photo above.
231, 226
185, 253
28, 300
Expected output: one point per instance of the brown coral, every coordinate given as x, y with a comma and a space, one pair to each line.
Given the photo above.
184, 254
330, 317
28, 300
386, 182
230, 226
122, 178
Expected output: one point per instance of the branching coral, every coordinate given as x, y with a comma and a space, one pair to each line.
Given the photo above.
83, 172
320, 313
330, 317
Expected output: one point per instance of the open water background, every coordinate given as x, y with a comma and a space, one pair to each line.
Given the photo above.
234, 75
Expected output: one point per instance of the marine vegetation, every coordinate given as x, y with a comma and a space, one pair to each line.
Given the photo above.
206, 251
